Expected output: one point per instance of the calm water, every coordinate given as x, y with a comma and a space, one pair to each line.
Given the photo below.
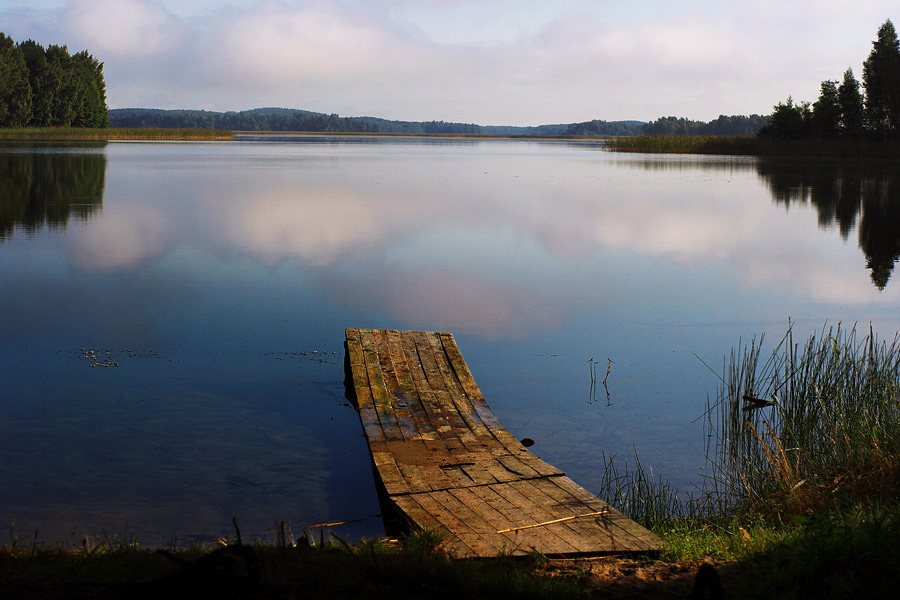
173, 313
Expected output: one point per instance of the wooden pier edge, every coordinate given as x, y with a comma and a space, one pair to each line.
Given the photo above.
445, 462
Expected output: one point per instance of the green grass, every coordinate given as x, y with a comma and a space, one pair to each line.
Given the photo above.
74, 133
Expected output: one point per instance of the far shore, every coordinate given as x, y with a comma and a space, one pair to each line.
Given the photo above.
112, 133
645, 144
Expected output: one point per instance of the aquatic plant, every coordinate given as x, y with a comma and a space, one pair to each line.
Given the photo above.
810, 428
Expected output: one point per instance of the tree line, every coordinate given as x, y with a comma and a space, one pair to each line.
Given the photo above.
723, 125
275, 119
600, 127
842, 111
48, 87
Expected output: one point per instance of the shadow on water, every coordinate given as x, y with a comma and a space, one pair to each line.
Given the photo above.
47, 185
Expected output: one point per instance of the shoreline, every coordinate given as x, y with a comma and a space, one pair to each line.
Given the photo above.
112, 133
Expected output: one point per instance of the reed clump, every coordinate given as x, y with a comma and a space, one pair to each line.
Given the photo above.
812, 428
670, 144
748, 145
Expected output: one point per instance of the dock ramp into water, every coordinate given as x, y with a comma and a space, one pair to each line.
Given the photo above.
446, 462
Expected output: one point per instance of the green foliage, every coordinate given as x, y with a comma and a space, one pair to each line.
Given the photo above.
813, 428
722, 126
852, 554
852, 106
15, 90
671, 144
826, 112
50, 88
596, 127
789, 121
881, 79
420, 127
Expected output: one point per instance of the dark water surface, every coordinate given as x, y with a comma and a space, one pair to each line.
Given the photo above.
173, 313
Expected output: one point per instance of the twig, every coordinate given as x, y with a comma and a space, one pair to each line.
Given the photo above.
238, 530
593, 514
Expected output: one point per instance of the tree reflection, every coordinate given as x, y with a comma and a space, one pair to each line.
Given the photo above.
49, 185
846, 195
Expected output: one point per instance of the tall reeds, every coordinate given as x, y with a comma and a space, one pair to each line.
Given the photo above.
807, 428
812, 427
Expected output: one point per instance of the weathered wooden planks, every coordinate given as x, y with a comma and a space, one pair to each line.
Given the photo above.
447, 463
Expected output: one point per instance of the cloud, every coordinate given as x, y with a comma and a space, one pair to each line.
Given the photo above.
122, 236
485, 62
275, 45
122, 29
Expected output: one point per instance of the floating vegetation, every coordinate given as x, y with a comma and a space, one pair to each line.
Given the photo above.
98, 358
111, 358
322, 356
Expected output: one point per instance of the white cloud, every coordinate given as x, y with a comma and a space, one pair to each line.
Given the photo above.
499, 62
122, 236
122, 29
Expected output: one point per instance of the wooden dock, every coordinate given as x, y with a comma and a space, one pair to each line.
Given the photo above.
448, 464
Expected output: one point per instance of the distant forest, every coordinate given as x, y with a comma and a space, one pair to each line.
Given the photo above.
284, 119
724, 125
260, 119
49, 88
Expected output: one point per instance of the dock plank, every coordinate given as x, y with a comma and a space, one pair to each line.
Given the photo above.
447, 463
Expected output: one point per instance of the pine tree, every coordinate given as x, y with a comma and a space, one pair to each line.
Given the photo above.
826, 117
852, 108
881, 79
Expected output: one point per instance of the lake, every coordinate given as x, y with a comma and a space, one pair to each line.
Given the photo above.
173, 314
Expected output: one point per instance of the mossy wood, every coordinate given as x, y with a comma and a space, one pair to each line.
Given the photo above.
448, 464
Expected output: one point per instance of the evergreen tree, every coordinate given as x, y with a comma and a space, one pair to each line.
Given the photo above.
39, 77
881, 79
788, 121
15, 89
49, 88
61, 86
826, 116
88, 77
851, 104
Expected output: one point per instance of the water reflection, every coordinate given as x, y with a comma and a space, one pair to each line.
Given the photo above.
846, 195
225, 258
47, 185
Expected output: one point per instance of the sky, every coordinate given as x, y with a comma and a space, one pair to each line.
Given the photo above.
490, 62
